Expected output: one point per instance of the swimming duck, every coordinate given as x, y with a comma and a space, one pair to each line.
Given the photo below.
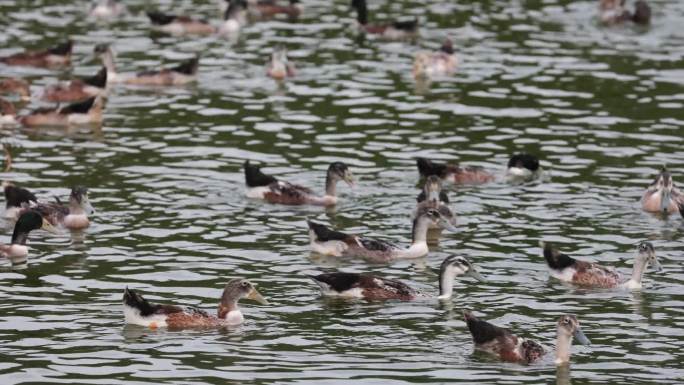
16, 199
615, 12
57, 56
8, 114
393, 31
368, 286
434, 197
17, 251
74, 216
507, 346
78, 89
15, 86
179, 25
429, 64
583, 273
107, 9
264, 9
523, 167
88, 111
184, 73
268, 188
137, 311
328, 242
662, 195
454, 173
279, 67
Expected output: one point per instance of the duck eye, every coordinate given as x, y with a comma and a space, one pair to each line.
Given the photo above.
245, 284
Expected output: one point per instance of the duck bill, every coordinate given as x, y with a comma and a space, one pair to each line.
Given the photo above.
87, 207
656, 265
665, 200
256, 296
349, 179
446, 225
581, 338
475, 274
47, 226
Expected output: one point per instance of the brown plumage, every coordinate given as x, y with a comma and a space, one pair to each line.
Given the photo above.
454, 173
57, 56
502, 342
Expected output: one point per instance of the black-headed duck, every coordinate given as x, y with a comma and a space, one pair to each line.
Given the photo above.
373, 287
88, 111
138, 311
662, 195
57, 56
268, 188
334, 243
77, 89
506, 346
590, 274
393, 31
17, 251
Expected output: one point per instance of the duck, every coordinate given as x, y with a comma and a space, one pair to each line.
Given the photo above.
662, 195
15, 86
397, 30
589, 274
613, 12
373, 287
8, 113
17, 251
505, 345
77, 89
233, 19
432, 196
16, 199
337, 244
73, 216
88, 111
106, 9
58, 56
523, 167
268, 188
454, 173
429, 64
138, 311
265, 9
183, 73
279, 67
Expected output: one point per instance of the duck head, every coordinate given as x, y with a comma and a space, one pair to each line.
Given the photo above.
339, 171
27, 222
452, 267
79, 199
432, 188
568, 328
646, 255
663, 185
235, 290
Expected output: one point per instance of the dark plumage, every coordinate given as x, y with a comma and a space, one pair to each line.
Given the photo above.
188, 67
483, 331
255, 178
62, 49
325, 234
557, 260
426, 168
98, 80
16, 196
443, 197
160, 18
78, 107
524, 160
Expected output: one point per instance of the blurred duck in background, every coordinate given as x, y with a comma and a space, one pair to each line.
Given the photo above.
88, 111
427, 65
183, 73
662, 195
57, 56
78, 89
107, 9
13, 86
397, 30
615, 12
280, 67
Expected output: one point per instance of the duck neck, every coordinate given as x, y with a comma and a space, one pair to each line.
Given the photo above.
330, 185
75, 208
446, 284
19, 237
638, 270
108, 62
419, 231
563, 344
226, 307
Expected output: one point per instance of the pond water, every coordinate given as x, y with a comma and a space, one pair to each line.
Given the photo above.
601, 106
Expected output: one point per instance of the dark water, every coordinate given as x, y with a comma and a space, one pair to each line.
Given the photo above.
601, 106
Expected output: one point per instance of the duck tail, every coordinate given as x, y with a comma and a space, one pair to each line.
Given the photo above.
321, 233
81, 107
188, 67
160, 18
426, 167
63, 49
482, 331
98, 80
254, 177
554, 258
17, 196
136, 301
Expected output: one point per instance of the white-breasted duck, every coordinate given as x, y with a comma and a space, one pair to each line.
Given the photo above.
58, 56
15, 86
334, 243
454, 173
523, 167
17, 251
88, 111
662, 195
280, 67
506, 346
78, 89
373, 287
590, 274
107, 9
73, 216
426, 65
434, 197
183, 73
266, 9
613, 12
392, 31
268, 188
138, 311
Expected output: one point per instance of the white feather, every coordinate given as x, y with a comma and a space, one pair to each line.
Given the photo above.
133, 317
257, 192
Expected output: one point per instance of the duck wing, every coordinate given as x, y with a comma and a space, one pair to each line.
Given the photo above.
375, 244
592, 274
